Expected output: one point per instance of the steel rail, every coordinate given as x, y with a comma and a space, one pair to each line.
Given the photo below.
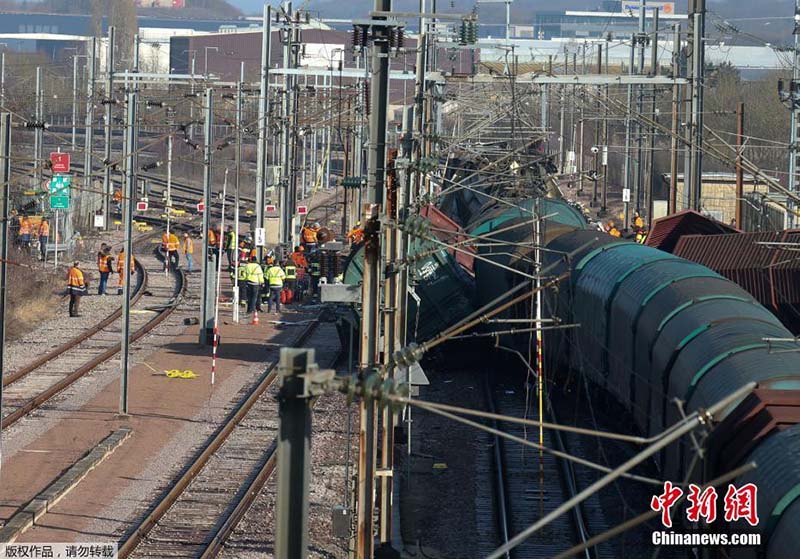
65, 382
85, 335
129, 545
224, 531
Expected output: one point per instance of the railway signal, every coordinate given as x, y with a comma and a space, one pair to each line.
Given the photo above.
201, 206
141, 206
302, 210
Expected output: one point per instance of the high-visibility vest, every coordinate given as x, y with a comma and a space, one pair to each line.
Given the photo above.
44, 229
275, 276
316, 269
253, 273
291, 272
614, 232
231, 241
188, 246
24, 227
638, 222
212, 238
121, 263
102, 263
309, 235
299, 259
165, 241
173, 243
242, 273
75, 278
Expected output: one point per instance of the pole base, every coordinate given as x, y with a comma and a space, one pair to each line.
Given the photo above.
122, 416
386, 551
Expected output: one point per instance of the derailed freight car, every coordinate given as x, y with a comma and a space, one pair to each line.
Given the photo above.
655, 328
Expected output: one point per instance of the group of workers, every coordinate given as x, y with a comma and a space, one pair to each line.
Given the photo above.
107, 263
637, 225
270, 282
172, 246
29, 232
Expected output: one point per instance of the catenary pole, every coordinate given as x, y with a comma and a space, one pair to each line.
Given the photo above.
263, 123
207, 287
88, 161
371, 289
107, 189
130, 188
5, 203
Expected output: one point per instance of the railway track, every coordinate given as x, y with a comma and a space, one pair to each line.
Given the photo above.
528, 486
27, 389
203, 507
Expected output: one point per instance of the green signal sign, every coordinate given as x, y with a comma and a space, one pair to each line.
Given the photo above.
60, 191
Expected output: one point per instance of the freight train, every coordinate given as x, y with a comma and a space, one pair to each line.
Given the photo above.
652, 330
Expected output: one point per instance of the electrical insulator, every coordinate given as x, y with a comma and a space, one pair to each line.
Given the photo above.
473, 32
367, 107
462, 33
392, 39
400, 37
357, 33
364, 36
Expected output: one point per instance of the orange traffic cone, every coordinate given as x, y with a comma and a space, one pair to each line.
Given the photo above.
254, 322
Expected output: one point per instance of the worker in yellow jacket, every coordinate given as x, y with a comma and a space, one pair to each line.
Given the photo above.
274, 278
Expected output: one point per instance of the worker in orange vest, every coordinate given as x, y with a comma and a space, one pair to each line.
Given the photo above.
299, 257
309, 234
188, 251
44, 236
170, 246
76, 286
105, 263
356, 234
121, 270
25, 231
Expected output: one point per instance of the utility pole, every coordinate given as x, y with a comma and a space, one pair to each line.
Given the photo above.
739, 167
597, 138
238, 165
74, 98
168, 201
294, 453
794, 106
208, 287
373, 207
263, 124
641, 41
697, 18
286, 203
38, 131
89, 127
5, 184
107, 187
651, 136
130, 191
676, 112
628, 167
3, 78
604, 195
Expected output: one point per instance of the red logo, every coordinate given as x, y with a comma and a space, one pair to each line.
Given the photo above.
740, 504
59, 162
665, 502
702, 505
